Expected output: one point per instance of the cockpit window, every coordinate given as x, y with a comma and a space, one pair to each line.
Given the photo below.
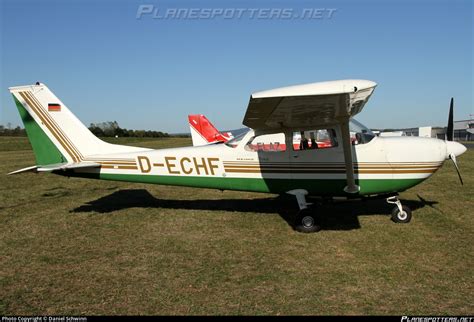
314, 139
360, 134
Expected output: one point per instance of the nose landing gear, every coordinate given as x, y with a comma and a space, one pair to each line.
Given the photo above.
400, 213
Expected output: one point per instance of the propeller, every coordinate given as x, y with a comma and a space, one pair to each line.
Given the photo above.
452, 156
449, 137
450, 129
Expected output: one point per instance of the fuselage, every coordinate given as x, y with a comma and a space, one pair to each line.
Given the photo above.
336, 155
383, 165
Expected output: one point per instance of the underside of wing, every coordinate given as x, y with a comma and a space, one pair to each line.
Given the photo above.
308, 105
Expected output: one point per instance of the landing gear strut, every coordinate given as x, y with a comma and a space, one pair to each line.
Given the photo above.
306, 220
400, 213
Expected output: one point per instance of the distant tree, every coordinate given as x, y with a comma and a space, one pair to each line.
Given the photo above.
120, 132
97, 131
16, 131
8, 131
104, 129
112, 129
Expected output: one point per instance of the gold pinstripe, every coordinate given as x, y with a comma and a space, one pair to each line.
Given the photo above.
124, 167
48, 125
322, 171
320, 167
56, 126
326, 167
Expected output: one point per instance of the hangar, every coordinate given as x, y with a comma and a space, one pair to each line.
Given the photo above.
463, 131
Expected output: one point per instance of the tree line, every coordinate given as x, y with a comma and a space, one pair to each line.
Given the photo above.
103, 129
112, 129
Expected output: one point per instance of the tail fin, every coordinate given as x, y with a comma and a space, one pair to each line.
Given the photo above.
204, 132
55, 134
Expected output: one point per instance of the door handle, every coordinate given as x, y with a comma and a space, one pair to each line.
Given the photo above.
295, 156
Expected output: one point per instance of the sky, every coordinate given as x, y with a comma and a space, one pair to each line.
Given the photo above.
105, 64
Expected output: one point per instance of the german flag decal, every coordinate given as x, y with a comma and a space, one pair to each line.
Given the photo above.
54, 107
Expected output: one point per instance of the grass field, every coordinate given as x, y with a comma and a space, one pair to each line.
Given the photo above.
77, 246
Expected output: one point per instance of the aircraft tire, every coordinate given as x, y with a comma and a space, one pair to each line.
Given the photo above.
307, 222
401, 218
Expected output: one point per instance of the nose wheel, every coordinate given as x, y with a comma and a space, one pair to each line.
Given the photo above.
400, 214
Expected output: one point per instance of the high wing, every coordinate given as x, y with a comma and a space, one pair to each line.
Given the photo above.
311, 106
307, 105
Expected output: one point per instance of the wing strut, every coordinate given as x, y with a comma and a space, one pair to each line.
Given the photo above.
347, 146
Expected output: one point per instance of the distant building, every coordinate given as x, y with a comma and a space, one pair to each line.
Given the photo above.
425, 131
463, 131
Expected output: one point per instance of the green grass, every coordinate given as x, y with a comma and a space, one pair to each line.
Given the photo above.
77, 246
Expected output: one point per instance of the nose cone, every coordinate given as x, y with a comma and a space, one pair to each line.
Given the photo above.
455, 148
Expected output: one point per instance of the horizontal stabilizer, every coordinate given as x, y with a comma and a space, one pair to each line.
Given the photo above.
67, 166
32, 168
58, 166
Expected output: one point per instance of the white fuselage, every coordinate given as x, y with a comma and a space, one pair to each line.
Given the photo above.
383, 165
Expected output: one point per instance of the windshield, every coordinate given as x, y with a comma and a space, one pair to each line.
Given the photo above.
360, 134
236, 140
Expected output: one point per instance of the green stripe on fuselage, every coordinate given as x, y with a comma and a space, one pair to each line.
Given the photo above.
319, 187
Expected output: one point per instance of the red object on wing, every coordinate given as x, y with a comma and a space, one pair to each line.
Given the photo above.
54, 107
205, 128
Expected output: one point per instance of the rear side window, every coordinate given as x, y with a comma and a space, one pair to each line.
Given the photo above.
267, 143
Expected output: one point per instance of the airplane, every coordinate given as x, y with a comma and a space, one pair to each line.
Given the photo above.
203, 132
369, 167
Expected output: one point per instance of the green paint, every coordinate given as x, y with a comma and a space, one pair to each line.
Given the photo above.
318, 187
45, 151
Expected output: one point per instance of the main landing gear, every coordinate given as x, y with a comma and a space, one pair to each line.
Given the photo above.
400, 214
306, 221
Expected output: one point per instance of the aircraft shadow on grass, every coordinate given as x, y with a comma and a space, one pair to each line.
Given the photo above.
335, 216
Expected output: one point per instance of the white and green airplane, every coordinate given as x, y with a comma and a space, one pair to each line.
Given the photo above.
352, 163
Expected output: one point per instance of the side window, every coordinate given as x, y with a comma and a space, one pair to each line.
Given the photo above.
314, 139
267, 143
